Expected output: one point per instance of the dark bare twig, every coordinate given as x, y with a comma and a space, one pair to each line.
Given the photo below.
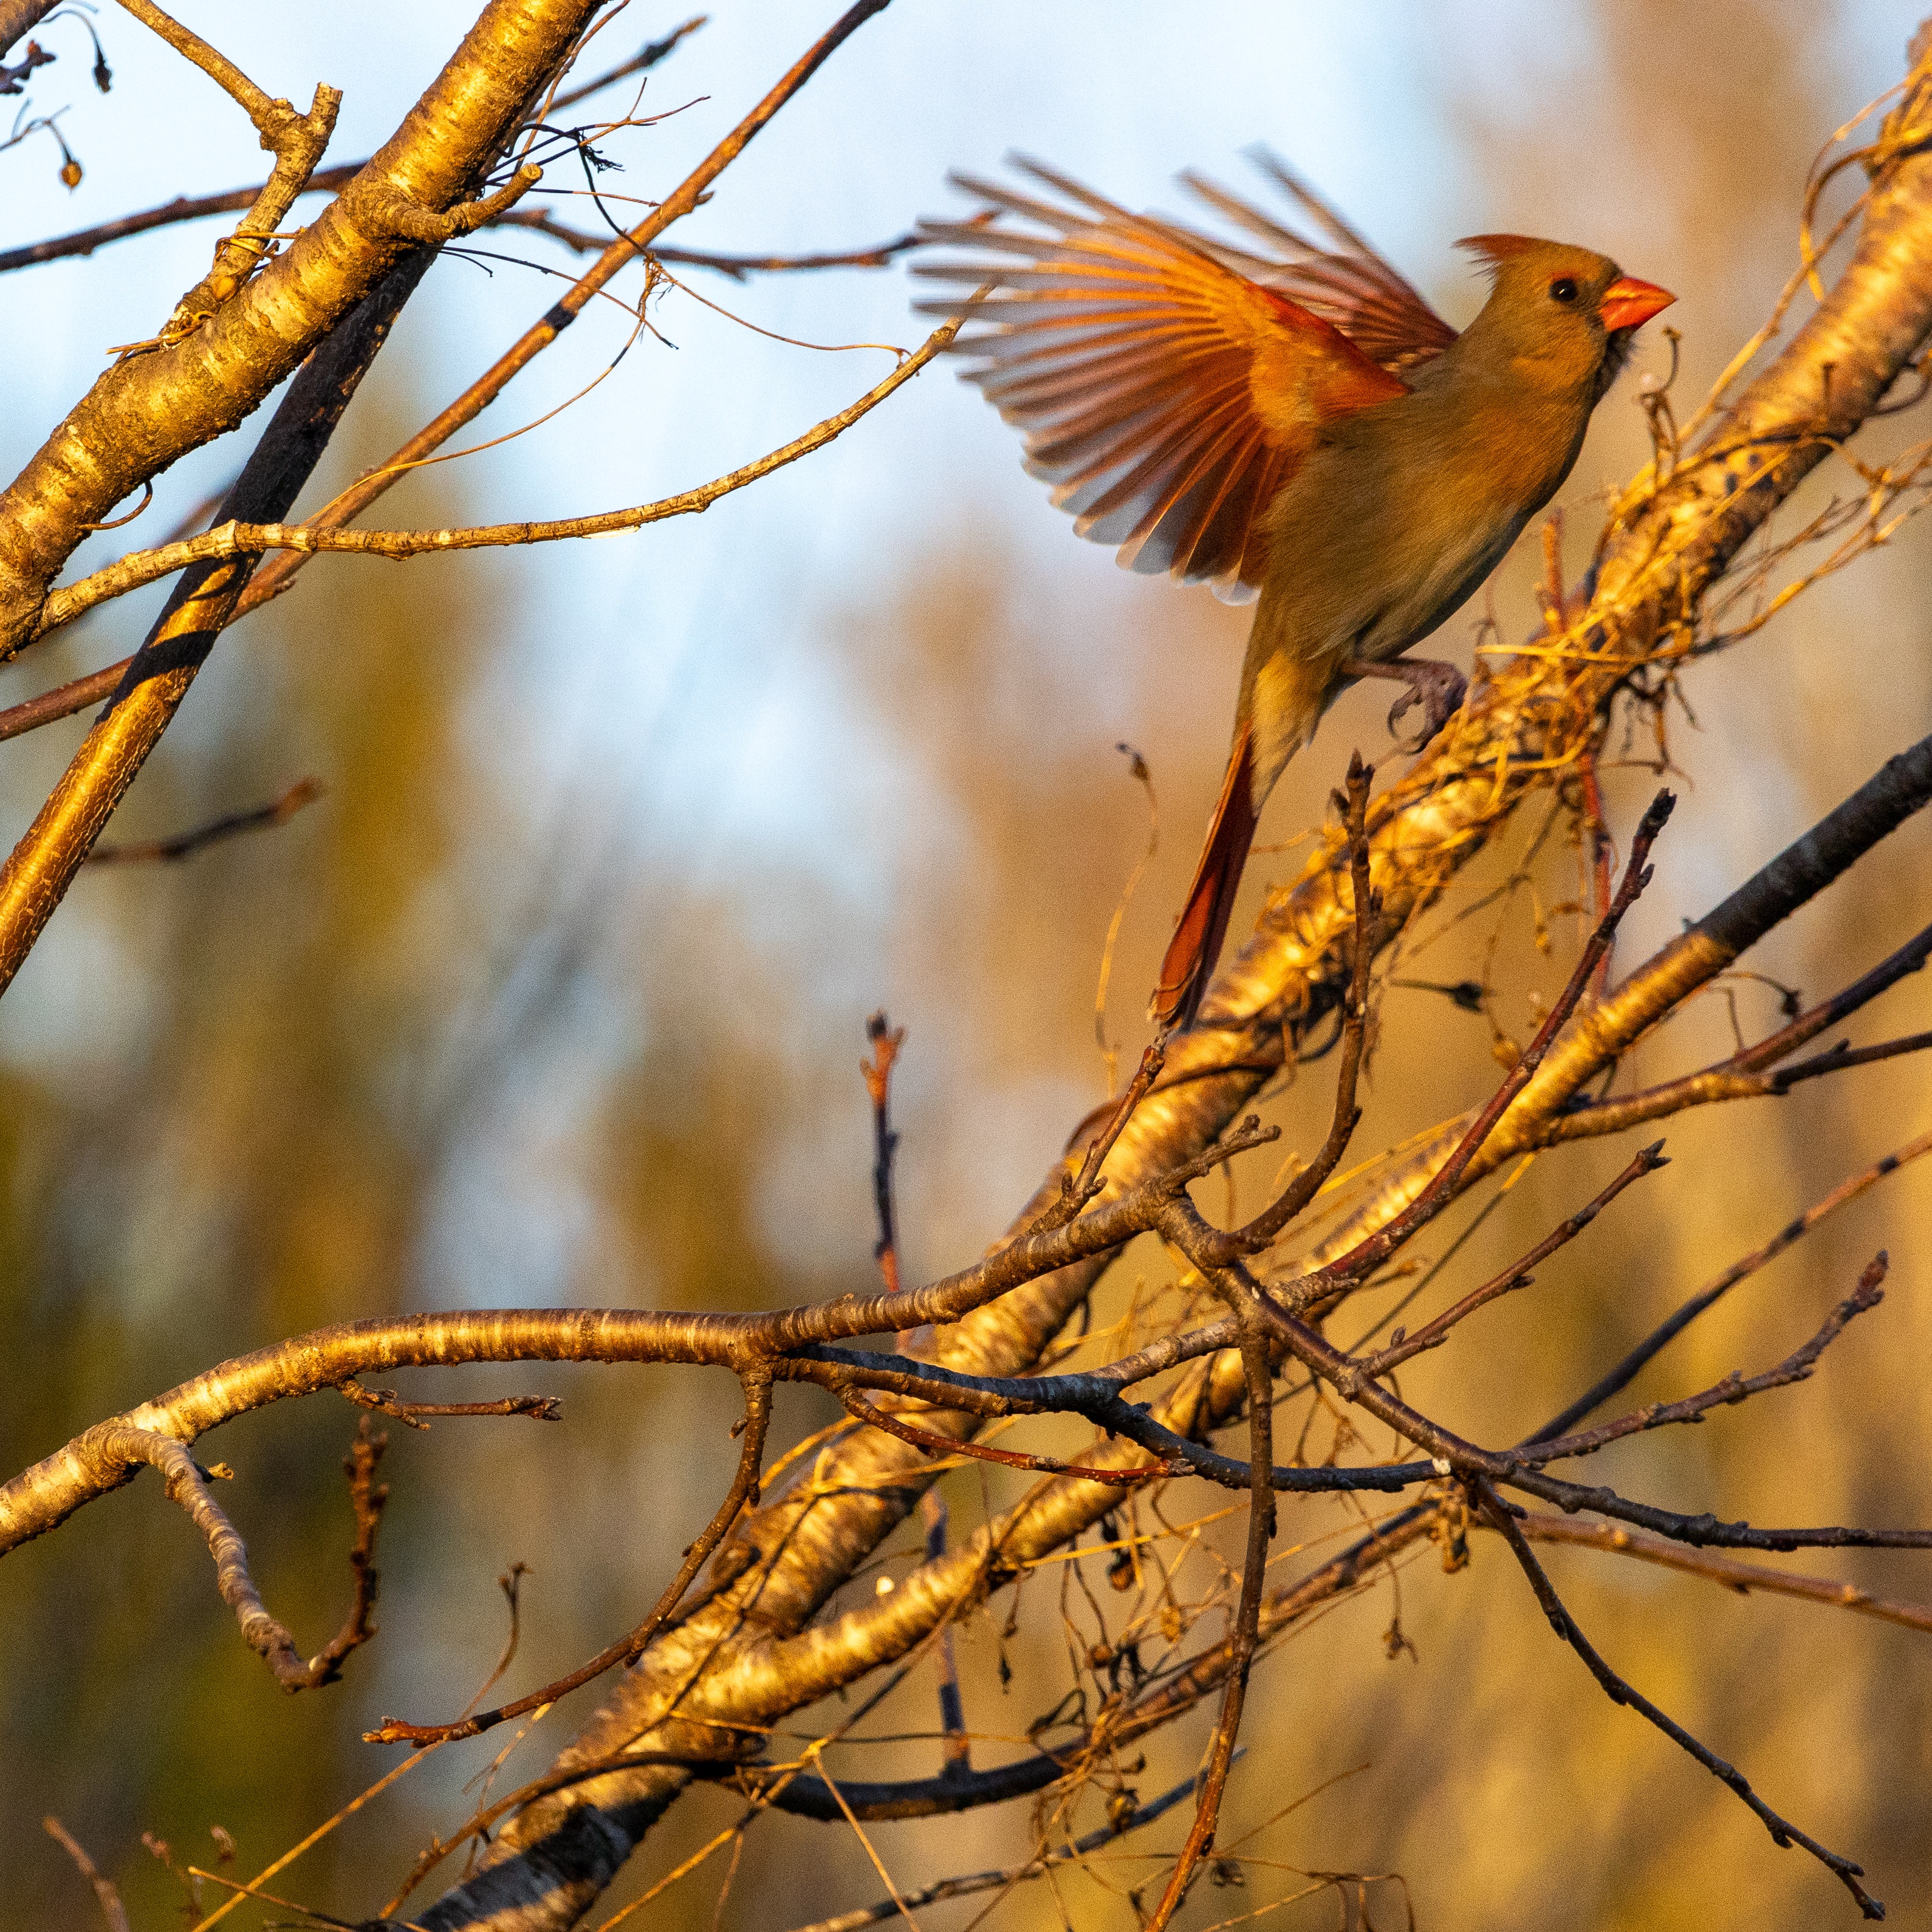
1783, 1833
386, 1402
886, 1041
862, 1411
956, 1761
1845, 1054
1077, 1190
1702, 1532
1735, 1387
77, 694
183, 207
105, 1890
63, 701
367, 1497
1626, 1371
641, 62
1000, 1881
1241, 1653
1433, 1334
743, 1492
185, 845
1744, 1578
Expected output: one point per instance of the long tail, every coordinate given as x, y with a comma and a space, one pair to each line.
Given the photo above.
1196, 943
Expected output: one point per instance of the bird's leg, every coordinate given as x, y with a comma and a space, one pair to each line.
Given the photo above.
1439, 686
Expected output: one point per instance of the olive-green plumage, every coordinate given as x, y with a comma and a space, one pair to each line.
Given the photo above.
1401, 510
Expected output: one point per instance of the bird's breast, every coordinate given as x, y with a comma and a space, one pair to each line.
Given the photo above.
1401, 512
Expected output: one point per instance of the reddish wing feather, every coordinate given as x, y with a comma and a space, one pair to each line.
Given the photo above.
1165, 394
1348, 284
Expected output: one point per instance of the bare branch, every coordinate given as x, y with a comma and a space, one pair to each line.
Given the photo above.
744, 1491
112, 1910
1782, 1832
1241, 1650
1433, 1334
878, 1075
1742, 1577
1626, 1371
232, 539
186, 1484
184, 844
275, 577
1735, 1387
1000, 1881
225, 74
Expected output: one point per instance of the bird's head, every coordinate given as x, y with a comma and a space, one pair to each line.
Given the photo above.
1564, 316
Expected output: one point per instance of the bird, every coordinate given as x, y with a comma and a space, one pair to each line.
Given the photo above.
1295, 424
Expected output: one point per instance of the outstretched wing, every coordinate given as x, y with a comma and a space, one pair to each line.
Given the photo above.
1164, 393
1347, 283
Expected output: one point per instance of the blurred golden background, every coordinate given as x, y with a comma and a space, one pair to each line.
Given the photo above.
557, 995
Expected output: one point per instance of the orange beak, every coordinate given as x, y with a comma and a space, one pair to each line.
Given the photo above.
1629, 302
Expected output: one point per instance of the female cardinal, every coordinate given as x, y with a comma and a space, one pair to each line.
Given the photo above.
1300, 423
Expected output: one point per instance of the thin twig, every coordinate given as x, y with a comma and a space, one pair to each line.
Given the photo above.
862, 1411
886, 1041
743, 1492
235, 538
1735, 1387
1000, 1881
1241, 1651
1744, 1578
641, 62
1784, 1833
1433, 1334
956, 1759
1626, 1371
366, 1497
387, 1402
112, 1910
185, 845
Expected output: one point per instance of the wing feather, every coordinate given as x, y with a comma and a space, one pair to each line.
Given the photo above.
1167, 386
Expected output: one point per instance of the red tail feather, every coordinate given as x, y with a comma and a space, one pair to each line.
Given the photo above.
1196, 943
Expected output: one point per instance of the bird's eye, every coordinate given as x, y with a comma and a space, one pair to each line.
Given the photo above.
1563, 289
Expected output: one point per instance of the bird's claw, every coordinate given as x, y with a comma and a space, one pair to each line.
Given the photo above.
1439, 688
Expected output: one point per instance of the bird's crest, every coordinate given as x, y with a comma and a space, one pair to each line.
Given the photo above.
1493, 250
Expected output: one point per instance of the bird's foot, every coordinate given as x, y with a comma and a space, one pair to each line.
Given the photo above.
1439, 688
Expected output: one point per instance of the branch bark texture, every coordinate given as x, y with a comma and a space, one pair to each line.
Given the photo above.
1666, 546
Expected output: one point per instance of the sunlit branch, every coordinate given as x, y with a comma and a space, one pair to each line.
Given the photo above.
231, 540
